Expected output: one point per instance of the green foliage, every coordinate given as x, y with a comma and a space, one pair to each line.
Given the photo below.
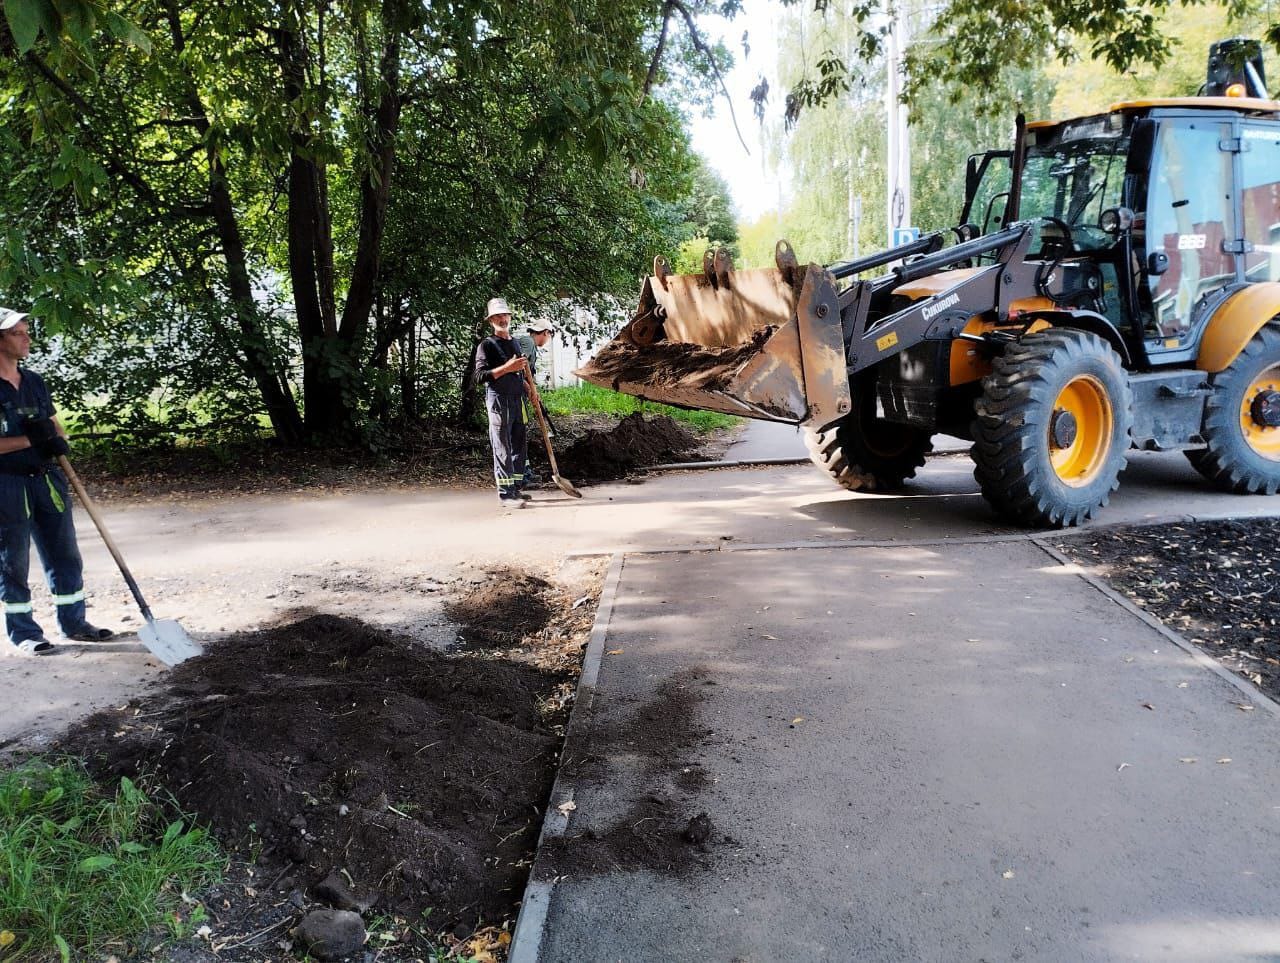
317, 199
592, 399
1087, 86
838, 149
80, 867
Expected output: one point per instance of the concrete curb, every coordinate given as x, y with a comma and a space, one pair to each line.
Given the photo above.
526, 941
766, 462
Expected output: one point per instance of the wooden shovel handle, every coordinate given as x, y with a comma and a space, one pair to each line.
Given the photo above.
92, 509
542, 422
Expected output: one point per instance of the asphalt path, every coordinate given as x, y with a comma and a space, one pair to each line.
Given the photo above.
946, 752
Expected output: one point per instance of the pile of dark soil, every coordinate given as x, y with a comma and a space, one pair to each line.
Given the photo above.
1214, 582
635, 442
415, 779
502, 610
671, 363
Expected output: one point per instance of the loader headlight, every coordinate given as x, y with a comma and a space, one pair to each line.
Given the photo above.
1116, 220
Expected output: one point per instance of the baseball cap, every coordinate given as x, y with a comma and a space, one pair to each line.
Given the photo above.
496, 306
9, 317
541, 326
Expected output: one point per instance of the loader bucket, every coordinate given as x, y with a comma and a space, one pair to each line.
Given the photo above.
760, 343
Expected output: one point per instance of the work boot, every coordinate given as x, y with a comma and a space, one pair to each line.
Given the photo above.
512, 503
90, 633
31, 647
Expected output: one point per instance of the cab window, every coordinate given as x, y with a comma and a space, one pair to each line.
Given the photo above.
1189, 215
1260, 188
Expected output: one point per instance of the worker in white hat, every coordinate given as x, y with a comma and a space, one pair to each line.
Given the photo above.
500, 367
35, 501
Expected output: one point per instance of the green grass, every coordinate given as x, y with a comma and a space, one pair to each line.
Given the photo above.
589, 398
82, 868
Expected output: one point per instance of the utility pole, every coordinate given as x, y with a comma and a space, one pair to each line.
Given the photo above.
898, 165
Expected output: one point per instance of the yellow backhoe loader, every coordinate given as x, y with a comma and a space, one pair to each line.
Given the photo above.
1121, 289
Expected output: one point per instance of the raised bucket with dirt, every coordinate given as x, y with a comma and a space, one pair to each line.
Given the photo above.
761, 343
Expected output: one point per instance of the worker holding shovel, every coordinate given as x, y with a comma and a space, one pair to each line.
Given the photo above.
501, 368
35, 502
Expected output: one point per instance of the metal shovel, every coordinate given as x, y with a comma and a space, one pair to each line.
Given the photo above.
563, 484
167, 640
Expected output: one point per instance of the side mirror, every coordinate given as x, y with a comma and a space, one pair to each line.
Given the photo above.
1157, 263
1116, 220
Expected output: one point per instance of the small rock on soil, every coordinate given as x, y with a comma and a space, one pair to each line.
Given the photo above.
331, 934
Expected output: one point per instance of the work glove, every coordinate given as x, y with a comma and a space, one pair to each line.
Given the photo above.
44, 438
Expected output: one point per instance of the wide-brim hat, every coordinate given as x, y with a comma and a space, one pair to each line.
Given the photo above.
496, 306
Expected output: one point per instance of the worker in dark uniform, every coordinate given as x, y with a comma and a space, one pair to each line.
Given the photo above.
500, 367
35, 502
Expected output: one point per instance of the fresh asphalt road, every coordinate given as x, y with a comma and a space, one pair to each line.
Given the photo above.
942, 752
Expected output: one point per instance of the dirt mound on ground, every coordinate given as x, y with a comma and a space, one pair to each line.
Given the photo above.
635, 442
339, 748
502, 610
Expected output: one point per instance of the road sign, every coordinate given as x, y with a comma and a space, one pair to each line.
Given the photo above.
903, 235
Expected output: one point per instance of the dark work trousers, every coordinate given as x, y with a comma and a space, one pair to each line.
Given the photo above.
38, 508
508, 438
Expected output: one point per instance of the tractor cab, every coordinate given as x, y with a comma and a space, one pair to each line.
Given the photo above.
1151, 214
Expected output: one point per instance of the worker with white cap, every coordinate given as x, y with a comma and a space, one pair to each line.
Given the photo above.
35, 502
500, 367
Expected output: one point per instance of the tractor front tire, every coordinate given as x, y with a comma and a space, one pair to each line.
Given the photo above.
864, 453
1052, 429
1242, 421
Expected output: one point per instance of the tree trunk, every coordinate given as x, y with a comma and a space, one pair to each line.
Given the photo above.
254, 346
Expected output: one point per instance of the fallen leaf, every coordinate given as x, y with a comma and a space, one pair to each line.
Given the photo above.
1224, 760
567, 807
772, 638
1123, 766
797, 720
973, 640
1188, 759
1148, 705
614, 652
6, 938
1244, 707
205, 932
1007, 874
581, 601
1183, 685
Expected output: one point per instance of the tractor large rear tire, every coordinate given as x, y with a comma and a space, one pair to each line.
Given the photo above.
1052, 429
1244, 453
864, 453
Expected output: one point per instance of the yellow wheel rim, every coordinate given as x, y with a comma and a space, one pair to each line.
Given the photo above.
1265, 441
1078, 460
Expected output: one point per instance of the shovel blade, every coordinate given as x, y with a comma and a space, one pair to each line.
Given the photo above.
168, 641
566, 486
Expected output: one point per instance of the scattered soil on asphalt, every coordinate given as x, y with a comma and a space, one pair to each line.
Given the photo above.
665, 830
1216, 583
668, 364
635, 442
327, 749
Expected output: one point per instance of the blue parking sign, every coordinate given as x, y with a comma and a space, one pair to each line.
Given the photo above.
903, 235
